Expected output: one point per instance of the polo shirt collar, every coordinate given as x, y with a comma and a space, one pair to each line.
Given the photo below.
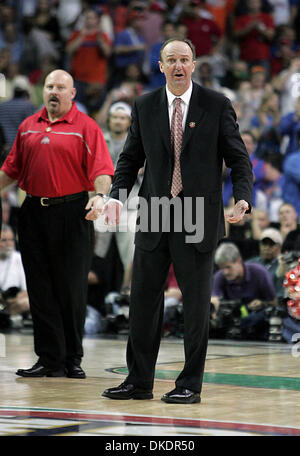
185, 97
68, 117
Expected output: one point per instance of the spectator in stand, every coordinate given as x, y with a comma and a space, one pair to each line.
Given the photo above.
251, 93
287, 84
181, 30
204, 75
118, 14
14, 111
291, 169
152, 20
254, 32
289, 125
126, 92
259, 222
157, 78
269, 251
287, 220
13, 292
220, 11
5, 60
7, 14
45, 20
237, 73
249, 283
202, 29
264, 124
12, 40
129, 46
89, 50
282, 55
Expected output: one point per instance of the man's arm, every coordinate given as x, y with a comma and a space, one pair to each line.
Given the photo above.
95, 204
237, 158
5, 180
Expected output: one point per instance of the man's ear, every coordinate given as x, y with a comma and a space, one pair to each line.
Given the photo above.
161, 66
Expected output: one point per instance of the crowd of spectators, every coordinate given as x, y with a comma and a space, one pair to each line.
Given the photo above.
247, 49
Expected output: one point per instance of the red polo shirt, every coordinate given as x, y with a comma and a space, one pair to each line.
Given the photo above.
253, 46
58, 158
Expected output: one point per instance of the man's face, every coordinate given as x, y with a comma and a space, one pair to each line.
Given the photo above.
232, 270
58, 93
268, 249
178, 65
287, 215
7, 244
119, 122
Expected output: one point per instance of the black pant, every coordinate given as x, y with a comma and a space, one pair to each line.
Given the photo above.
56, 245
193, 271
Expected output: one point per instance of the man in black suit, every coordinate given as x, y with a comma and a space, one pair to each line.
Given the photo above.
210, 135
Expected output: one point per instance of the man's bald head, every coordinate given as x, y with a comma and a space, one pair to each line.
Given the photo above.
58, 93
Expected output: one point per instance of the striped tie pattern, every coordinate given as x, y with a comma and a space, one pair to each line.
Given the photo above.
176, 142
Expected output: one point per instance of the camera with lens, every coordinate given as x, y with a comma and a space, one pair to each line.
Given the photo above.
274, 316
290, 257
227, 321
116, 318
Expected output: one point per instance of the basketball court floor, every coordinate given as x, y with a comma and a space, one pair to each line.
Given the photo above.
250, 389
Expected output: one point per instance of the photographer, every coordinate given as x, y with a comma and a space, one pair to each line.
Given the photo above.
14, 301
251, 284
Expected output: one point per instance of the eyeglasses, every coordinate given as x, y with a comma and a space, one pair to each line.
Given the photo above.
7, 240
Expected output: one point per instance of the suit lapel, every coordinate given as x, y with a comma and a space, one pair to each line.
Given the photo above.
162, 119
194, 117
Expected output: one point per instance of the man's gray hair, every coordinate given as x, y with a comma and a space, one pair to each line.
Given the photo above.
227, 252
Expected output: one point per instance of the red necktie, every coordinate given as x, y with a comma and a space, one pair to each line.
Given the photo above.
176, 141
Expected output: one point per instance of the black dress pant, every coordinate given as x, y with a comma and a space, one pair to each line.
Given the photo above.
193, 272
56, 244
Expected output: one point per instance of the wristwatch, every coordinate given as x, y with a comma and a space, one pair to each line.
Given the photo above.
105, 197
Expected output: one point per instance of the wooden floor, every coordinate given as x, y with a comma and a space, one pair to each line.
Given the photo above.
249, 389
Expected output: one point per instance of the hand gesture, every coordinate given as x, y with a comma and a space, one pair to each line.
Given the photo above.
236, 214
112, 212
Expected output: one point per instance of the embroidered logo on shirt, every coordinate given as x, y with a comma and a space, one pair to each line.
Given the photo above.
45, 140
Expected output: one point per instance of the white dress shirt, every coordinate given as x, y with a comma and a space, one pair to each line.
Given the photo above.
185, 101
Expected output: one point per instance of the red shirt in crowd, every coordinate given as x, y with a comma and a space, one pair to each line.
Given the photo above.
88, 63
58, 158
203, 32
254, 46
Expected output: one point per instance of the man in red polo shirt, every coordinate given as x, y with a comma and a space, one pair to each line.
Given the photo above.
58, 156
254, 32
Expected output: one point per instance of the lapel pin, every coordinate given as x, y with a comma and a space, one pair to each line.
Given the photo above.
192, 124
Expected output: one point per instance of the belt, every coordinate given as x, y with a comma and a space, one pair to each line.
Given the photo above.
45, 201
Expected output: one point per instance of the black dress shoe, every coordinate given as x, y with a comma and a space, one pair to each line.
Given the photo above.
38, 370
127, 391
75, 372
181, 396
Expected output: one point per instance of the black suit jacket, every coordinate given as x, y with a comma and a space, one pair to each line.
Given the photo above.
211, 134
